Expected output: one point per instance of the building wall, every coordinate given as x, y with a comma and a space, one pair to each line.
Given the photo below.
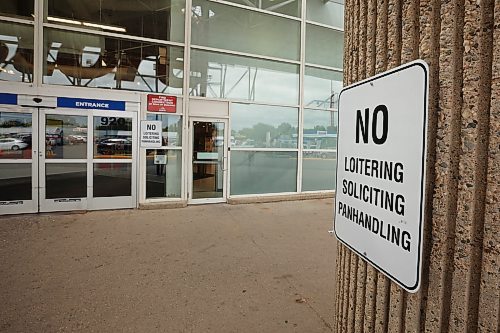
270, 61
460, 40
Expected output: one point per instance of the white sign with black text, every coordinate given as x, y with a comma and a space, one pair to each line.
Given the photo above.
379, 205
150, 134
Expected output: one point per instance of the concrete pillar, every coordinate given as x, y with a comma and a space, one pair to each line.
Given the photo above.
460, 40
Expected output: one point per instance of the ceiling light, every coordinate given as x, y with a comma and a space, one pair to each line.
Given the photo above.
61, 20
105, 27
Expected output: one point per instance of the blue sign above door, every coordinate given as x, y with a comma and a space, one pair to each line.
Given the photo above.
10, 99
93, 104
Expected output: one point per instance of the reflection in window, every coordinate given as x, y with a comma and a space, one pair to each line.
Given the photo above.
322, 88
324, 46
171, 128
112, 137
320, 129
15, 181
15, 135
287, 7
16, 52
68, 180
22, 8
241, 78
263, 172
318, 171
158, 19
261, 126
86, 60
330, 12
163, 173
251, 32
65, 136
112, 180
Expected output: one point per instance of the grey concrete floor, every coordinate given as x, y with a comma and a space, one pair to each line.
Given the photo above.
212, 268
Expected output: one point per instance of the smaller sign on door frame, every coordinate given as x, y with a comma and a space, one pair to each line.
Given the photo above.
151, 134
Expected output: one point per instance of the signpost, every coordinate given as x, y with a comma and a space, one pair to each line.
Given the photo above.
379, 205
151, 135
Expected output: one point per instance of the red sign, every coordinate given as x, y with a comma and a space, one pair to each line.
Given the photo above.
162, 103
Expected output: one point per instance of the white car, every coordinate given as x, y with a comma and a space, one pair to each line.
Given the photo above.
12, 144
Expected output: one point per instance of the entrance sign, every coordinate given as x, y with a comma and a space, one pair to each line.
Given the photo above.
381, 147
90, 104
162, 103
151, 134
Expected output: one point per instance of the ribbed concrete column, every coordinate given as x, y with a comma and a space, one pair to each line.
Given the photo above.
460, 291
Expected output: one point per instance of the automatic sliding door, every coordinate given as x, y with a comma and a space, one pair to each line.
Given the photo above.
63, 161
18, 162
113, 171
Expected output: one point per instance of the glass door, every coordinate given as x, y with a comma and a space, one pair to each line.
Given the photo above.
113, 160
87, 160
18, 161
208, 161
63, 160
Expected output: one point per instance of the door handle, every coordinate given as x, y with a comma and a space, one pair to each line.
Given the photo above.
224, 164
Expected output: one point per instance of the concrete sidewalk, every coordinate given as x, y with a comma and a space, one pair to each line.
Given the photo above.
213, 268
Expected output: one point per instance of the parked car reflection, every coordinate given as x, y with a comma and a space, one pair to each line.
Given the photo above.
12, 144
114, 147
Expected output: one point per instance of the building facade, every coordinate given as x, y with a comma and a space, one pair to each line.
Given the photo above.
245, 92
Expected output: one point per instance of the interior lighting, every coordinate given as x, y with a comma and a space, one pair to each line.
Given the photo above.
61, 20
87, 24
105, 27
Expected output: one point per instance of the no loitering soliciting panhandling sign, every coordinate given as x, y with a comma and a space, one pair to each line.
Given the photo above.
381, 162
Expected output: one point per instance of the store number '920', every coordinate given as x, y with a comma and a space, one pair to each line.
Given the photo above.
109, 121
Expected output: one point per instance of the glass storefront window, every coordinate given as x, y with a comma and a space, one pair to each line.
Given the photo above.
324, 46
19, 8
251, 32
286, 7
112, 180
320, 129
66, 180
163, 173
322, 88
262, 126
318, 170
65, 136
15, 135
16, 52
257, 172
330, 12
219, 75
171, 128
85, 60
112, 137
158, 19
15, 181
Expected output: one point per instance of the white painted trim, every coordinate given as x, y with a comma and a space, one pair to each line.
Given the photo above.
294, 150
300, 137
253, 9
323, 25
244, 54
320, 109
334, 69
18, 20
242, 101
186, 90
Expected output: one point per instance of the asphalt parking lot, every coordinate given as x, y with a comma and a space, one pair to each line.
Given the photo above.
212, 268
